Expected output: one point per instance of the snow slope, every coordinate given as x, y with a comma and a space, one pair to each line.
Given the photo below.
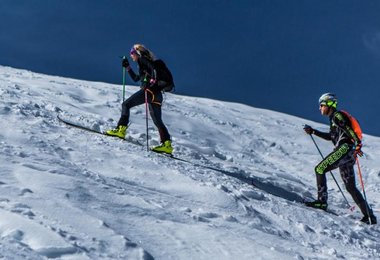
70, 194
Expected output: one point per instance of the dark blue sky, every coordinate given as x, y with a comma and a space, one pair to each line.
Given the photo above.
279, 55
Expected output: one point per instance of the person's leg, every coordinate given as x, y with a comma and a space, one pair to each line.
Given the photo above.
136, 99
155, 104
156, 115
330, 162
322, 188
348, 176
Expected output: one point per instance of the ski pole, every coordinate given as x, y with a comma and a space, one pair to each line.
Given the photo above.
362, 184
124, 70
350, 207
146, 119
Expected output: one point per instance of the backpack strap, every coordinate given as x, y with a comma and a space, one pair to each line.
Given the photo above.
353, 128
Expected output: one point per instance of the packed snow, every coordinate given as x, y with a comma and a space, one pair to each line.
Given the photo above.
66, 193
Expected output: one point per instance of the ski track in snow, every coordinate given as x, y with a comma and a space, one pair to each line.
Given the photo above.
69, 194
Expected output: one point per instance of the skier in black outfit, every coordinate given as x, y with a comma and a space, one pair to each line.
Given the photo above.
347, 147
150, 86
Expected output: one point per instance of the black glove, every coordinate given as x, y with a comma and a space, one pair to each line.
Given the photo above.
308, 129
125, 63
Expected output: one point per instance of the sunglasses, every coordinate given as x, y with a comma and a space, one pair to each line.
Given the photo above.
133, 51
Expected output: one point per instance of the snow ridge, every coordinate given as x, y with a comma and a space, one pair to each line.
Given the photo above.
69, 194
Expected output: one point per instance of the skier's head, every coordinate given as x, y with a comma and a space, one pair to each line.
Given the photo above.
139, 50
327, 103
328, 99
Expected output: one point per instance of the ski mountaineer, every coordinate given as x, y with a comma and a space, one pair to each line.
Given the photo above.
347, 147
152, 86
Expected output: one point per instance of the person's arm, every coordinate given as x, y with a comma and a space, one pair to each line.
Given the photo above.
323, 135
309, 130
132, 74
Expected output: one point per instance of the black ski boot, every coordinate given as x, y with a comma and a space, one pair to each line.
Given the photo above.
369, 220
317, 204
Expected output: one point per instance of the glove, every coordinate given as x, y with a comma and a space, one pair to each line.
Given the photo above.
125, 63
308, 129
152, 82
358, 150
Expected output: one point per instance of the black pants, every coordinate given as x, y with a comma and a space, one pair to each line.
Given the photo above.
154, 102
343, 158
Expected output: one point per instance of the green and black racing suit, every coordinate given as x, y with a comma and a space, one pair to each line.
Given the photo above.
343, 157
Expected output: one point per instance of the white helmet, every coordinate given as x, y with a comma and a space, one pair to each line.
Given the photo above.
328, 99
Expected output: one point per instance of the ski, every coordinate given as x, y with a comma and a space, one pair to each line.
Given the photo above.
171, 156
284, 193
128, 139
255, 182
89, 129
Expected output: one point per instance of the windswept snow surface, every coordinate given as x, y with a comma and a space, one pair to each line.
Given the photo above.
69, 194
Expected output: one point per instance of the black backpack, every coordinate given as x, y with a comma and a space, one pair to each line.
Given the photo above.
164, 74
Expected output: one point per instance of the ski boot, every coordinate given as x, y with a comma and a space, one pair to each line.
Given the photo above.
120, 131
317, 204
165, 147
369, 220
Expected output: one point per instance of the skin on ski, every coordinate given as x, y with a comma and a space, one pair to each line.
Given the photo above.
89, 129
